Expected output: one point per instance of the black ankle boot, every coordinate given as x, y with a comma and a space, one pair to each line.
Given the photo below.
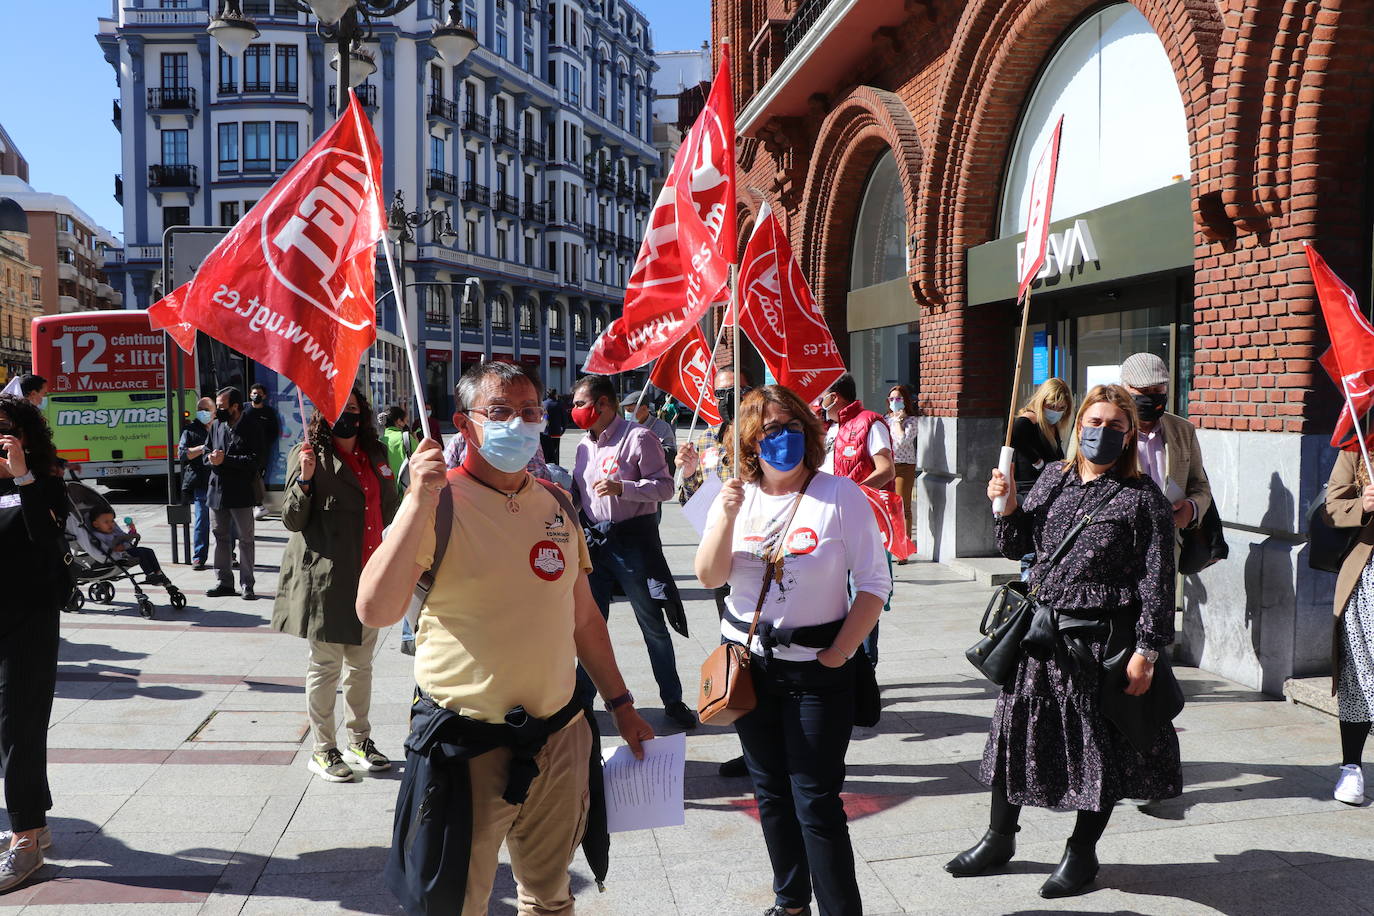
993, 851
1076, 871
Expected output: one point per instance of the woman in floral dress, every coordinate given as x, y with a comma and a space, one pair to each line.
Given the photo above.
1049, 744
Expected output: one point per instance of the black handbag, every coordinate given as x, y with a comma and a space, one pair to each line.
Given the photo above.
1327, 545
1203, 544
1140, 718
1013, 607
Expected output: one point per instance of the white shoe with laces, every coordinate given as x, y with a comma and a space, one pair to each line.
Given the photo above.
44, 838
1350, 785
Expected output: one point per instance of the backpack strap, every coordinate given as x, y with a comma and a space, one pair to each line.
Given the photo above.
561, 495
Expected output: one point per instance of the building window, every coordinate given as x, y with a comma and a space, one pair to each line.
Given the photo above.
228, 74
174, 71
229, 147
580, 326
528, 325
228, 212
470, 231
175, 216
572, 85
287, 68
501, 242
502, 46
529, 251
438, 156
257, 68
879, 252
500, 314
175, 147
288, 138
552, 262
471, 316
435, 306
470, 98
257, 146
528, 56
436, 80
470, 167
555, 321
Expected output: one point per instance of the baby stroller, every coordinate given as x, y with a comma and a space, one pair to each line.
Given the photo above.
95, 568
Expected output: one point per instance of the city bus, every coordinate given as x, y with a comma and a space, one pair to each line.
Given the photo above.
107, 398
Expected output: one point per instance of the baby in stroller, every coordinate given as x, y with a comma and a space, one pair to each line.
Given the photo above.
104, 553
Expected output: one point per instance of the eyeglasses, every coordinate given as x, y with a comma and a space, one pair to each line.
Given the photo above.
792, 426
501, 414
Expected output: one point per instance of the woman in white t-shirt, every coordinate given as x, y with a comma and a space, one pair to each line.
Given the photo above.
802, 664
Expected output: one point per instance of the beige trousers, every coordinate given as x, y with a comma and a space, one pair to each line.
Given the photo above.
904, 482
543, 834
327, 660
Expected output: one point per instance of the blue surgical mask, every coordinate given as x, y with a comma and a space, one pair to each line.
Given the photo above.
205, 416
509, 446
1053, 417
43, 403
1101, 445
783, 450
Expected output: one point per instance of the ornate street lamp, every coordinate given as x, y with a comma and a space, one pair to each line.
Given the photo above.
401, 225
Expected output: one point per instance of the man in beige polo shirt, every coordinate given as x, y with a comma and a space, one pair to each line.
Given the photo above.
508, 618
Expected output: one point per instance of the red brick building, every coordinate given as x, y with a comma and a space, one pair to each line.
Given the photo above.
1205, 142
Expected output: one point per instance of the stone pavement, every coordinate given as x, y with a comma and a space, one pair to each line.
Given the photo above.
178, 771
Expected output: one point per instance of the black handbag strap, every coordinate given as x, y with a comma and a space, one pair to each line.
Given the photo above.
1068, 539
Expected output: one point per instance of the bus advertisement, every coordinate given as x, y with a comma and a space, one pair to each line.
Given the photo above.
107, 391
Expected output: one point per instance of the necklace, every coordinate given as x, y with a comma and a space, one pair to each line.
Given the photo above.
512, 504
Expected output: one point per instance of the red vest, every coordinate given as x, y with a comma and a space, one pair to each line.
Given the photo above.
851, 455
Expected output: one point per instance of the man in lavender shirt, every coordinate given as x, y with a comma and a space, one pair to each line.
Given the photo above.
621, 476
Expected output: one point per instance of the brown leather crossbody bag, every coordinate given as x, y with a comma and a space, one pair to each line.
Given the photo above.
727, 689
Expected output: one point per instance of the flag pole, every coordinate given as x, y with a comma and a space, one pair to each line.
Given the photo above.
999, 505
701, 386
1359, 433
734, 356
411, 357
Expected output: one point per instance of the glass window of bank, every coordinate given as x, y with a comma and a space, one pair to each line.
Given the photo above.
1119, 276
881, 357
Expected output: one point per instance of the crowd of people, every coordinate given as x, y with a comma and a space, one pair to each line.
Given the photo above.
502, 565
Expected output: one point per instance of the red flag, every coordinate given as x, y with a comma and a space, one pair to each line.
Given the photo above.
1038, 217
685, 373
891, 516
1350, 361
688, 246
780, 316
291, 286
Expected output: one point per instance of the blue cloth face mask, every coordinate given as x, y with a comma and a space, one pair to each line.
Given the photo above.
1101, 445
509, 446
1053, 417
205, 416
783, 450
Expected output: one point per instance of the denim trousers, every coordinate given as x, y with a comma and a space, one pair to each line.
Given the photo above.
794, 742
620, 563
200, 527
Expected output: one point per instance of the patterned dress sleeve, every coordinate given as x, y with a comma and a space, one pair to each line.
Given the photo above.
1017, 533
1155, 527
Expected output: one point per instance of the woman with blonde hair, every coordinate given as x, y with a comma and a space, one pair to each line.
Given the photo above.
815, 532
1039, 432
1050, 743
901, 423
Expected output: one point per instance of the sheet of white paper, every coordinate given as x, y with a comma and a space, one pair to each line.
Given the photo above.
643, 794
699, 506
1103, 375
1172, 491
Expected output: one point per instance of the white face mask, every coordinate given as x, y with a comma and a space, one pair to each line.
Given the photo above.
896, 403
1053, 417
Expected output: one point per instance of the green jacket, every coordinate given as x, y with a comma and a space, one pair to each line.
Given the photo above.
400, 445
317, 592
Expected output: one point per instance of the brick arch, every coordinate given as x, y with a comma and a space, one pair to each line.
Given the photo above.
996, 54
861, 127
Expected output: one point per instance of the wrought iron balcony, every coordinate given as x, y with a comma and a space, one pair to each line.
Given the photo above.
626, 245
538, 213
642, 198
439, 180
477, 123
534, 149
172, 98
118, 115
507, 203
367, 94
172, 176
507, 137
624, 190
475, 193
606, 181
589, 229
802, 20
605, 238
589, 173
258, 87
119, 188
441, 107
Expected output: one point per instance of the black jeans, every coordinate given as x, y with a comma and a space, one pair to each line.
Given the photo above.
28, 678
794, 744
146, 559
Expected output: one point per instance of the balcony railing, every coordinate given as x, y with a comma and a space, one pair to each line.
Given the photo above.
475, 193
439, 180
605, 238
441, 107
477, 123
624, 191
606, 181
625, 245
589, 229
589, 172
805, 17
534, 149
257, 86
642, 198
166, 17
538, 213
118, 115
507, 137
507, 203
172, 176
119, 188
367, 94
172, 98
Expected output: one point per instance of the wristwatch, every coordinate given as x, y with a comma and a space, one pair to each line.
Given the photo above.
625, 699
1150, 655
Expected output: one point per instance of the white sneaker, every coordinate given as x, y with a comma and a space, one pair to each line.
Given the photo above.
1350, 785
18, 864
44, 838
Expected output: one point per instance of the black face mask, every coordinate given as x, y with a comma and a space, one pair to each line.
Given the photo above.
1101, 445
222, 414
346, 427
725, 402
258, 399
1150, 406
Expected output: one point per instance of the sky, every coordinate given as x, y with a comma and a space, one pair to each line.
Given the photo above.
58, 91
